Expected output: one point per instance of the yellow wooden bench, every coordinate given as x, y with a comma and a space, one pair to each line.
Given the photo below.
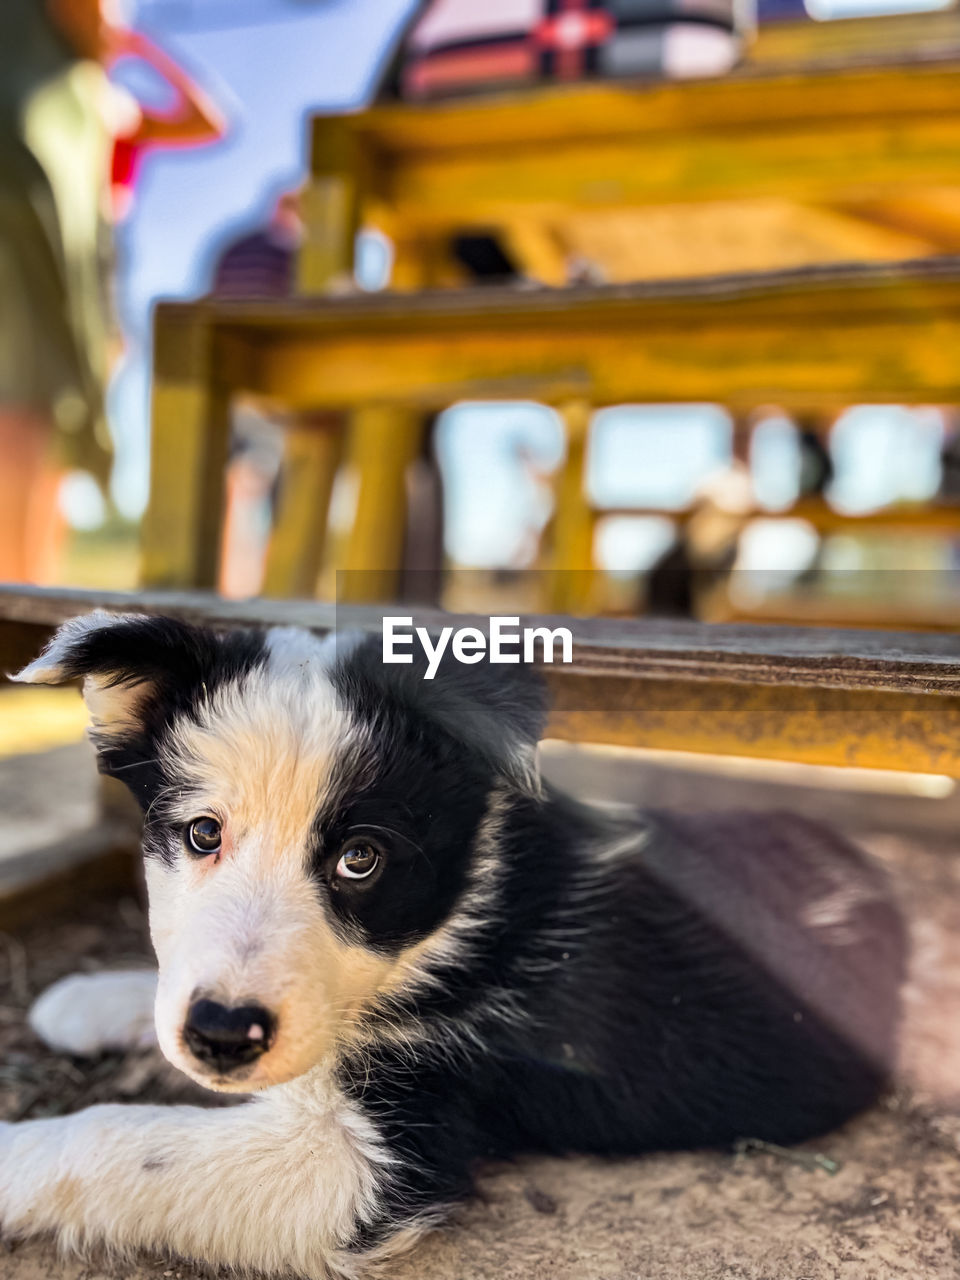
802, 339
832, 144
835, 141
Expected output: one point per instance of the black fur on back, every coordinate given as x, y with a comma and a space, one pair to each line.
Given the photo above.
646, 982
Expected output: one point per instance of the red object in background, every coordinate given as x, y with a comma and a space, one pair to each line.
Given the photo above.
124, 162
461, 46
194, 120
570, 33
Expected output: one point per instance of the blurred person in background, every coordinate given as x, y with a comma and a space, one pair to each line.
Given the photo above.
691, 578
191, 119
52, 328
259, 264
63, 127
692, 573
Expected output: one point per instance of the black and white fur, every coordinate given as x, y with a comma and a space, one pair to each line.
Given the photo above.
519, 973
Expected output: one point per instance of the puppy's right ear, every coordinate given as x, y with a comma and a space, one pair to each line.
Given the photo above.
122, 659
101, 649
138, 672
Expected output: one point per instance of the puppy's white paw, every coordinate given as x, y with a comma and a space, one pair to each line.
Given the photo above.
89, 1013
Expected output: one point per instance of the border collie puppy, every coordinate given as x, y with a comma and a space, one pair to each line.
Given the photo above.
370, 914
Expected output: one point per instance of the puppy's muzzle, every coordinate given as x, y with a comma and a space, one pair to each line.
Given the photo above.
225, 1038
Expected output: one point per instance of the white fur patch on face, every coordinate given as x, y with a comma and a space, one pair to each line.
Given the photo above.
290, 648
249, 925
262, 748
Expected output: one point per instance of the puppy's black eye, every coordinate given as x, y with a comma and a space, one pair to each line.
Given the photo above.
204, 836
358, 861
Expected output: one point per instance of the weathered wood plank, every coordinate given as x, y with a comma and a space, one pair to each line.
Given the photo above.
627, 648
799, 609
777, 719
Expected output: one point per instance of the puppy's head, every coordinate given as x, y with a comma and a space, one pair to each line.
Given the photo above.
317, 826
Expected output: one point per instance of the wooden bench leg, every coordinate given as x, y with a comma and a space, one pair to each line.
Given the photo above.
383, 441
422, 262
190, 437
536, 247
331, 209
422, 579
312, 447
571, 578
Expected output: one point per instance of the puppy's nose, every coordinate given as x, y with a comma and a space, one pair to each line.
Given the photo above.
226, 1038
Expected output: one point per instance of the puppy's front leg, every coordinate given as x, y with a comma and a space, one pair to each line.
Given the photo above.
276, 1184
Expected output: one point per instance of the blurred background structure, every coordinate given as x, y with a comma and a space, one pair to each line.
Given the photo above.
630, 308
612, 307
627, 308
194, 148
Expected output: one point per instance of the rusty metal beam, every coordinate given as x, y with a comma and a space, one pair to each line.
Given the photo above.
871, 699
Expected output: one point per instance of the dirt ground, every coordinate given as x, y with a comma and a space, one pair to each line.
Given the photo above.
892, 1209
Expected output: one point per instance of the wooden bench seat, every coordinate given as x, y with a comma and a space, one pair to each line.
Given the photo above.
802, 339
831, 140
931, 519
870, 699
812, 337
